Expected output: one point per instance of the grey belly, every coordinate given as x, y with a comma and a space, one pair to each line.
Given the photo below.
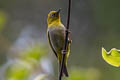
57, 39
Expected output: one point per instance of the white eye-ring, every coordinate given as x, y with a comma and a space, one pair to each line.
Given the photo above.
52, 15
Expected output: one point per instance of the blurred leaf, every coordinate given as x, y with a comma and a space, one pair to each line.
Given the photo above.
33, 55
18, 71
3, 19
112, 57
84, 74
22, 68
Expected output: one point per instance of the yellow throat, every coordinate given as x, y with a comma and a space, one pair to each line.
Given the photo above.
54, 18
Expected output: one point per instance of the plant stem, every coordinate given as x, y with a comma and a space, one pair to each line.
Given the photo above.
66, 41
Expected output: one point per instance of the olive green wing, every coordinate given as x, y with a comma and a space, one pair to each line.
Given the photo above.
49, 39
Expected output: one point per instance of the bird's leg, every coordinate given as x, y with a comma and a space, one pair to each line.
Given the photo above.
64, 51
69, 41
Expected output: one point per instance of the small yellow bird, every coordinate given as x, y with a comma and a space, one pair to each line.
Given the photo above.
56, 37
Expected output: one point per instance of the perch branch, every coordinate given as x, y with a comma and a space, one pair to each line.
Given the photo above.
66, 41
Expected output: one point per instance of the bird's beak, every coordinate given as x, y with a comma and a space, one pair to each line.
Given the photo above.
59, 11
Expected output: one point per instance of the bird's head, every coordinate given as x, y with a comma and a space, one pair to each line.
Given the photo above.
54, 17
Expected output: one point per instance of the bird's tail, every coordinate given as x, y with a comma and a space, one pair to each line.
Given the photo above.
64, 71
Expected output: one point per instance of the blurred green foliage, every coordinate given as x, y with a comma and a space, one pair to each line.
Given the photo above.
33, 55
18, 71
22, 68
84, 74
3, 19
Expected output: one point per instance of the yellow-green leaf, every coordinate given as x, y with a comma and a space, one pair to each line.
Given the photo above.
112, 57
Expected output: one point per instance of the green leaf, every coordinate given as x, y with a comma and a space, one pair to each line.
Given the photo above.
112, 57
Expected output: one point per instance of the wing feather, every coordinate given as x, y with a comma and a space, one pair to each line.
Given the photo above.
51, 45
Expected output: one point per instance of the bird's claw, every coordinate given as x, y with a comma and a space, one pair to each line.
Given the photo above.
68, 31
64, 51
70, 41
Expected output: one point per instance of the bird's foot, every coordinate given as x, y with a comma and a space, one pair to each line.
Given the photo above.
68, 31
64, 51
70, 41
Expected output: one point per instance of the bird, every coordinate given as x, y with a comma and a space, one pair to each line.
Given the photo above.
56, 37
112, 57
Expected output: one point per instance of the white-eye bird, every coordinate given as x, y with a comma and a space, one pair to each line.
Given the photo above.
56, 38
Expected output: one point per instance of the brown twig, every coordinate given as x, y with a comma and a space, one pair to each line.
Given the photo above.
66, 40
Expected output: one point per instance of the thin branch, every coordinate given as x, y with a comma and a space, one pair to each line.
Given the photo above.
66, 40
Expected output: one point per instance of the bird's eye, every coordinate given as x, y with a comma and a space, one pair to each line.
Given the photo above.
52, 15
